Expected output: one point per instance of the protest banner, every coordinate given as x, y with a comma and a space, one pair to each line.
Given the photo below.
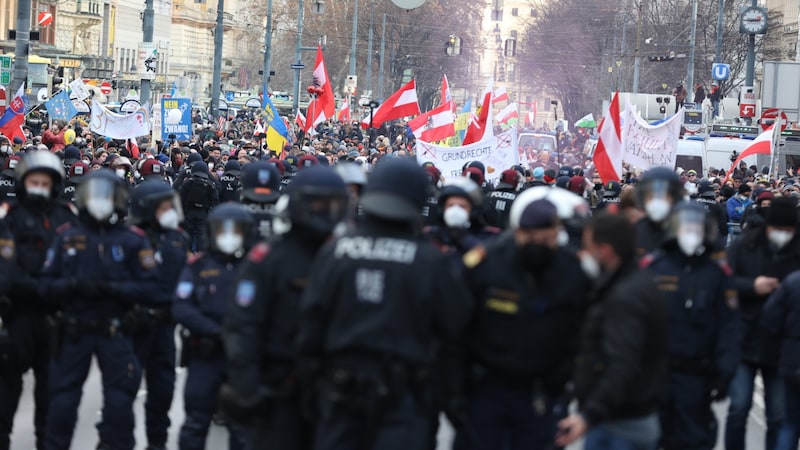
497, 154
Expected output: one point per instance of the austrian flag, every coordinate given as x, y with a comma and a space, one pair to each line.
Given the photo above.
435, 125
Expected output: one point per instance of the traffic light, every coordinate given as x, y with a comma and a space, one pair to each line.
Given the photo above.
58, 77
453, 46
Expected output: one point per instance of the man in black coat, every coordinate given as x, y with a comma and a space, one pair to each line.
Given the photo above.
760, 259
623, 344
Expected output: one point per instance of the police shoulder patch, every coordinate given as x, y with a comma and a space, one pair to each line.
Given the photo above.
259, 252
194, 257
726, 268
7, 249
147, 259
732, 299
4, 209
647, 260
137, 230
63, 227
184, 289
474, 257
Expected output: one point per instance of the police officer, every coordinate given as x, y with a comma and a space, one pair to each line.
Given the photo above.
529, 290
503, 197
75, 174
355, 179
33, 218
381, 276
611, 194
708, 198
153, 170
186, 171
201, 300
199, 194
461, 225
95, 271
704, 327
156, 209
263, 367
430, 212
7, 179
260, 191
229, 181
659, 189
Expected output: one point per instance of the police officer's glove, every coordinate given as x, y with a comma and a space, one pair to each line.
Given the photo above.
240, 409
719, 390
206, 347
457, 410
308, 371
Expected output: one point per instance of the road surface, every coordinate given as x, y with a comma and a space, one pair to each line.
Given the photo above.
86, 435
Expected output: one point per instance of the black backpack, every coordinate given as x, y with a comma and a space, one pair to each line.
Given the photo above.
199, 192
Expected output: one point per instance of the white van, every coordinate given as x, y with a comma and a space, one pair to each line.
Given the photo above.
691, 155
720, 149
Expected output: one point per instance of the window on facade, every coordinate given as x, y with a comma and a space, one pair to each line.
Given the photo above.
497, 15
515, 12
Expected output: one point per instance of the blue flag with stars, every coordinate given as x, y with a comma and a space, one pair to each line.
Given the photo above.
60, 106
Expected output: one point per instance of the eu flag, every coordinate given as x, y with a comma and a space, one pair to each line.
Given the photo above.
60, 106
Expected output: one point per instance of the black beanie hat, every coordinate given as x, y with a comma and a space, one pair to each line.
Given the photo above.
782, 213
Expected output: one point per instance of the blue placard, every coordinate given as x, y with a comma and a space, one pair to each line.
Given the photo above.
720, 72
176, 118
229, 96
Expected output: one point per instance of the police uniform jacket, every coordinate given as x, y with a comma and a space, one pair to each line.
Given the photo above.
378, 291
704, 325
203, 293
526, 326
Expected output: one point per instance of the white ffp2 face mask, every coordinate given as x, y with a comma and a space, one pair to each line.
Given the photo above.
780, 237
590, 266
563, 238
456, 217
690, 243
38, 191
169, 220
229, 243
100, 208
121, 172
657, 209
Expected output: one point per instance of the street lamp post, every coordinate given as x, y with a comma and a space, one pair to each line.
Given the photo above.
319, 8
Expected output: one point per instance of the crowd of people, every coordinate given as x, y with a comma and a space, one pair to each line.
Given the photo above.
336, 294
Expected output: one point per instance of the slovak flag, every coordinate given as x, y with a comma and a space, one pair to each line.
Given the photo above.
608, 152
14, 117
480, 124
344, 112
435, 125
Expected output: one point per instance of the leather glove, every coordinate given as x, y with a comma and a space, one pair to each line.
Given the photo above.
241, 409
719, 390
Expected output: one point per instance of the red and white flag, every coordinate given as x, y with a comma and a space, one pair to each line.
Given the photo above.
400, 104
447, 96
258, 129
435, 125
344, 111
480, 124
508, 113
500, 95
300, 120
763, 144
608, 153
325, 107
221, 122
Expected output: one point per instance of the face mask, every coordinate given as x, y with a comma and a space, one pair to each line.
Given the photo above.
121, 172
590, 266
229, 243
534, 256
689, 243
169, 220
38, 191
86, 161
456, 217
220, 172
100, 208
563, 238
780, 238
5, 149
657, 209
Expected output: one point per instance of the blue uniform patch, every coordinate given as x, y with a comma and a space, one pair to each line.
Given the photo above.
48, 261
184, 289
245, 292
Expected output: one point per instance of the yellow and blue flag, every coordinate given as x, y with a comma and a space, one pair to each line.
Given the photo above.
276, 131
